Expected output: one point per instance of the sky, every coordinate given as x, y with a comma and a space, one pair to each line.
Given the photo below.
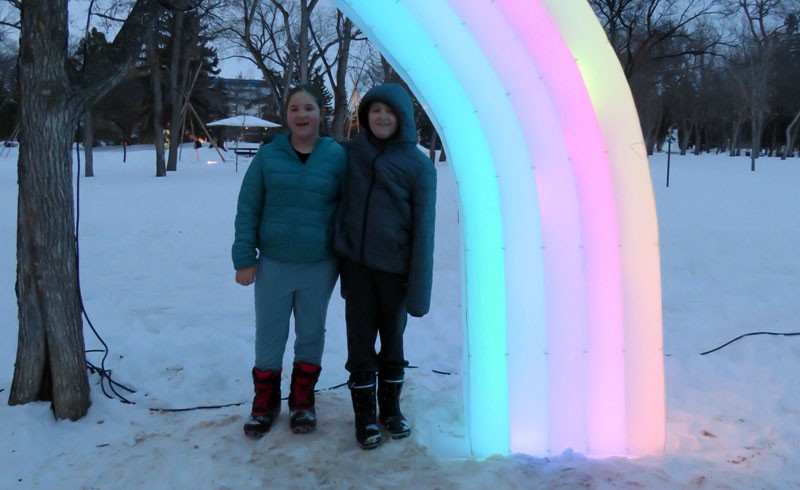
231, 67
159, 288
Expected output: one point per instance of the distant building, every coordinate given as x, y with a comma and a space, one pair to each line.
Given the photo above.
251, 97
245, 97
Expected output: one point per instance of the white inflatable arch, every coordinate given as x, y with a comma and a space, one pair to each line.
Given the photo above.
560, 273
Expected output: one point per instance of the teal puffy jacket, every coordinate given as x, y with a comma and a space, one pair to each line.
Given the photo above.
387, 213
286, 209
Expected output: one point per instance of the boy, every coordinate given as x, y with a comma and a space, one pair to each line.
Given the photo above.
384, 231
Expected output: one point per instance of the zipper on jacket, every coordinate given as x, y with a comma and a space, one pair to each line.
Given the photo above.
366, 204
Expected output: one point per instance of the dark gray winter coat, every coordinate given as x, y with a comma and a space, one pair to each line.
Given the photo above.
386, 216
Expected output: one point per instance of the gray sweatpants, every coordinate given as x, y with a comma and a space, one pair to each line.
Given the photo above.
284, 288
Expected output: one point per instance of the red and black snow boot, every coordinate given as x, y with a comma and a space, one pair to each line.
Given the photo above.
301, 397
266, 403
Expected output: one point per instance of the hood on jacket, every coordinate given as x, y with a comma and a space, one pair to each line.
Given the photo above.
395, 96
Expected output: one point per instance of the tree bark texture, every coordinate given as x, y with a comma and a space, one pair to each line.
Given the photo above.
756, 131
50, 326
302, 40
176, 127
51, 362
791, 134
683, 136
698, 139
736, 129
340, 99
158, 103
88, 143
434, 143
338, 82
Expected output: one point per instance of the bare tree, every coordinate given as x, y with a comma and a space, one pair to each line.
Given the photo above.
791, 136
287, 40
753, 65
264, 35
8, 99
336, 70
788, 93
92, 43
9, 18
185, 38
176, 95
648, 89
644, 31
50, 363
154, 63
306, 7
652, 39
185, 34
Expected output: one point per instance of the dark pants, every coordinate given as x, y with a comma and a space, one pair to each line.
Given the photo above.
375, 305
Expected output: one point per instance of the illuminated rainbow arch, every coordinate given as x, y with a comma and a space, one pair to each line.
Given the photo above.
561, 278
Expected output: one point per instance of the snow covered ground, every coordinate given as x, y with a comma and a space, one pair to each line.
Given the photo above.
158, 286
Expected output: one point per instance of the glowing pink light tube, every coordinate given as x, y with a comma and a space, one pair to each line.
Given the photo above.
605, 384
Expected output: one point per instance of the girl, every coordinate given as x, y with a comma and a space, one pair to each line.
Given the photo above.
284, 226
384, 231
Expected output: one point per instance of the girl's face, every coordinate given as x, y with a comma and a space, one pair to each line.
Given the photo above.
382, 120
302, 114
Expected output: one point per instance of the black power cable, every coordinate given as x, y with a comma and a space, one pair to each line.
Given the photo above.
105, 374
789, 334
210, 407
201, 407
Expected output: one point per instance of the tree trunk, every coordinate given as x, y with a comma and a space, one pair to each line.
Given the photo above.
756, 129
698, 135
302, 41
434, 143
650, 141
752, 146
736, 129
50, 326
339, 82
657, 141
774, 140
51, 362
389, 74
793, 143
683, 136
175, 95
88, 143
158, 103
790, 136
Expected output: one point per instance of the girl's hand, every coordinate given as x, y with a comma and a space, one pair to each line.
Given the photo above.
246, 276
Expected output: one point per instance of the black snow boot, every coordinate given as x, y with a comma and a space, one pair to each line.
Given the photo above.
301, 397
266, 403
389, 402
362, 391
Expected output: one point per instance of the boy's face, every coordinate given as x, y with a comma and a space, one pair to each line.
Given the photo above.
382, 120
